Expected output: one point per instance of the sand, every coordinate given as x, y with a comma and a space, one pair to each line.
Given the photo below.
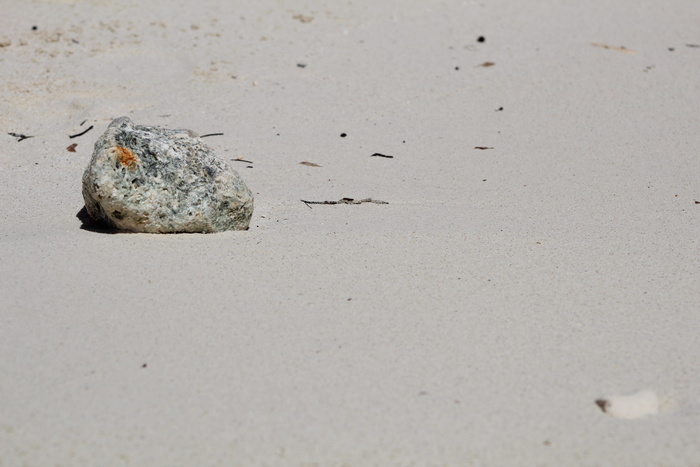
475, 319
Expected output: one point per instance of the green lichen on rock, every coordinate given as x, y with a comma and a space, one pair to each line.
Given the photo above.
151, 179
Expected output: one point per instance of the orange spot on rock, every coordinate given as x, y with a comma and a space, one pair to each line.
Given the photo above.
125, 157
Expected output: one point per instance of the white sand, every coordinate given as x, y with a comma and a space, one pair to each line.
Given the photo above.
474, 320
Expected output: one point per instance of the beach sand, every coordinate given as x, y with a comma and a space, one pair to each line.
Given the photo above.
473, 320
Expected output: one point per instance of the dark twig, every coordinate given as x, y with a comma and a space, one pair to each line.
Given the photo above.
376, 154
82, 132
19, 136
211, 134
345, 201
482, 147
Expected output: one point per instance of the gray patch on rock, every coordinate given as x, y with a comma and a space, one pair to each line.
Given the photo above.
151, 179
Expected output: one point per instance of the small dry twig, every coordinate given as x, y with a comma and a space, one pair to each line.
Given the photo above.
19, 136
240, 159
82, 132
345, 201
612, 47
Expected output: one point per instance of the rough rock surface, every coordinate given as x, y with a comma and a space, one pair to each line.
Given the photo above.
151, 179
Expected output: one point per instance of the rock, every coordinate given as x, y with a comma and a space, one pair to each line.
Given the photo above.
151, 179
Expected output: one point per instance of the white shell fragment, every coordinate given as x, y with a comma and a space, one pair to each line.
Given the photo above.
151, 179
631, 406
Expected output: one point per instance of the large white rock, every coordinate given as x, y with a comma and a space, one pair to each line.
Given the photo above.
151, 179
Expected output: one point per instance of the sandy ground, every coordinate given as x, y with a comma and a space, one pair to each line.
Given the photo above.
473, 320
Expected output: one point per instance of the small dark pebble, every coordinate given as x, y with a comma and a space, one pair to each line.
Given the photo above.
144, 365
671, 49
343, 135
499, 109
481, 39
456, 68
34, 28
301, 65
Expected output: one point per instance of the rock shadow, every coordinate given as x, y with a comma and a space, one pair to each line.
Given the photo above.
89, 224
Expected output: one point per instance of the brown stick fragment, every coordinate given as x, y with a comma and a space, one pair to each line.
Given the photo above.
376, 154
72, 147
310, 164
612, 47
482, 147
240, 159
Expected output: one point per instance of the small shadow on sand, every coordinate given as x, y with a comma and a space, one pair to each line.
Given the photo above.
91, 225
